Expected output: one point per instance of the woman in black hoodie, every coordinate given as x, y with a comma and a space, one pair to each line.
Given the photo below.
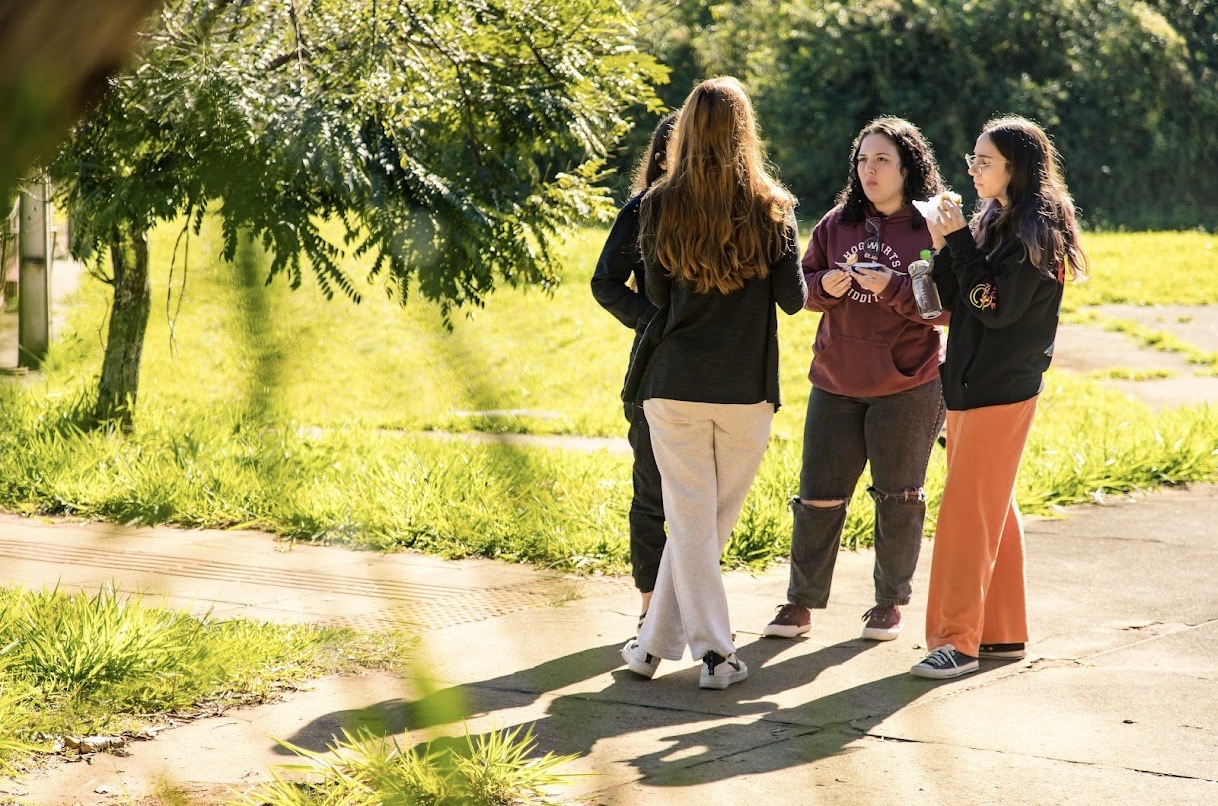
618, 284
1002, 277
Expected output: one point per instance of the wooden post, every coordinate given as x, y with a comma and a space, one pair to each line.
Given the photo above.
34, 295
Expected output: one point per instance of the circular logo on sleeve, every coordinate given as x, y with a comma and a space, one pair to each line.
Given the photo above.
983, 297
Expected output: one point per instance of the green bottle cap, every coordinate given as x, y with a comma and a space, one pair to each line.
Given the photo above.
925, 254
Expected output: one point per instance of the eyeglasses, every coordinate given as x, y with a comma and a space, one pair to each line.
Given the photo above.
973, 164
872, 245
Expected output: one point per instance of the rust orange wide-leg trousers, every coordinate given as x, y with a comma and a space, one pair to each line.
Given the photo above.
977, 591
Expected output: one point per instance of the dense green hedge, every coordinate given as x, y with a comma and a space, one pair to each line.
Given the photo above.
1128, 90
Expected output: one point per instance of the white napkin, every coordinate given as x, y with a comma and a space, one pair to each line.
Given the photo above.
931, 209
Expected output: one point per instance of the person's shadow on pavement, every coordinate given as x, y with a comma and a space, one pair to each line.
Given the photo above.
435, 707
576, 722
816, 729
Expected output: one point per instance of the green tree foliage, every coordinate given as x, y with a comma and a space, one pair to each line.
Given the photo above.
1128, 89
451, 139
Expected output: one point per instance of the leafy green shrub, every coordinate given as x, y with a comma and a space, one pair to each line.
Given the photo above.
1126, 89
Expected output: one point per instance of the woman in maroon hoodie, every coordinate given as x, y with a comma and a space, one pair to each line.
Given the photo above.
876, 394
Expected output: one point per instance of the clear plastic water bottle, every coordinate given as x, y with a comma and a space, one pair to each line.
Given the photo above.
926, 294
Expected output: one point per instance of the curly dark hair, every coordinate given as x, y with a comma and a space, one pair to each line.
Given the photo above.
922, 179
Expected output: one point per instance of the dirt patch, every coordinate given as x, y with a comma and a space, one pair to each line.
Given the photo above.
1089, 348
1195, 324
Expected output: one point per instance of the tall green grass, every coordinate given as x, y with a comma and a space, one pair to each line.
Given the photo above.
76, 664
497, 768
279, 410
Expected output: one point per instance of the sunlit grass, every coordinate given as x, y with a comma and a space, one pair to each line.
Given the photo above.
1148, 268
282, 411
498, 768
540, 362
76, 664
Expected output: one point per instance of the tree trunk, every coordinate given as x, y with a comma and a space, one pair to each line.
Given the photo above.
120, 377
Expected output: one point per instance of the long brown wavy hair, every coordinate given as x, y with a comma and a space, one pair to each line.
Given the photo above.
1039, 210
717, 217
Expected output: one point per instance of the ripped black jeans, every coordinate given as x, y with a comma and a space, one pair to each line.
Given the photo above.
895, 433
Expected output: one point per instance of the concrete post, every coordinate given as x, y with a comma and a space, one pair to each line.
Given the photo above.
34, 295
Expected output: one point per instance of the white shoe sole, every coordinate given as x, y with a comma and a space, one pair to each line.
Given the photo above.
639, 667
880, 635
1015, 654
723, 681
780, 631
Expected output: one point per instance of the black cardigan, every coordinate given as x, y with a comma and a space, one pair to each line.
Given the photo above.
722, 348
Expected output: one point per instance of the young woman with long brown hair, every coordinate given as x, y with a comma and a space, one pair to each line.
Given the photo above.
720, 247
1002, 275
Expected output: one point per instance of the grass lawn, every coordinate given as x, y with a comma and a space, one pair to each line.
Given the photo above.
266, 407
74, 665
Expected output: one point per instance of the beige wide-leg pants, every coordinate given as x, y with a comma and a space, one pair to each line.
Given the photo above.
708, 455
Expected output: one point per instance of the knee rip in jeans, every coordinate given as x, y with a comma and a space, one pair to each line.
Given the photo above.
910, 495
818, 503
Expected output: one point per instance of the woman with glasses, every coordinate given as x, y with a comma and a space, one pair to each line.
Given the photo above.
721, 251
1002, 277
875, 379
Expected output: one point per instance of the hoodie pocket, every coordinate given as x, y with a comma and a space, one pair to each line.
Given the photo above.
857, 367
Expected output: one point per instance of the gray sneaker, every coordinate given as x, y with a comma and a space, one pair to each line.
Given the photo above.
943, 663
720, 672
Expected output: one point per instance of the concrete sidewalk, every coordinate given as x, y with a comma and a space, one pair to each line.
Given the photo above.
1117, 702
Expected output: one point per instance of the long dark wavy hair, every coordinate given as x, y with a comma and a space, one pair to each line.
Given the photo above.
922, 179
1039, 210
651, 167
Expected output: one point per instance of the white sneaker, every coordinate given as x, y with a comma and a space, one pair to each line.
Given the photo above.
638, 660
720, 672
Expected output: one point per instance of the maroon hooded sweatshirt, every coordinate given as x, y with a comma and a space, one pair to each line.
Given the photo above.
870, 345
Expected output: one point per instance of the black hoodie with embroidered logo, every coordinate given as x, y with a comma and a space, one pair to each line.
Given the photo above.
1004, 322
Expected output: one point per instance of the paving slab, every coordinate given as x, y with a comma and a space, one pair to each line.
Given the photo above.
827, 768
1135, 719
1087, 348
1116, 694
240, 749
